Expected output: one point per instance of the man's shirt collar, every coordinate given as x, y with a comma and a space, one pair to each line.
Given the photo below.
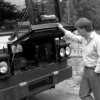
92, 34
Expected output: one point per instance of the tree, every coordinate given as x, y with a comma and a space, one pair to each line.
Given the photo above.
7, 11
89, 9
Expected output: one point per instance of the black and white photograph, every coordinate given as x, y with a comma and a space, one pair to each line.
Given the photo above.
49, 49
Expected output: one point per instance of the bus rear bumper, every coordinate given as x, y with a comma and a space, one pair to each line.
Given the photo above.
35, 86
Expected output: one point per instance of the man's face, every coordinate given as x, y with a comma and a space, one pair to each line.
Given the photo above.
82, 32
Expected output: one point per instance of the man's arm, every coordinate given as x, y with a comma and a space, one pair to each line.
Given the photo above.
97, 69
69, 34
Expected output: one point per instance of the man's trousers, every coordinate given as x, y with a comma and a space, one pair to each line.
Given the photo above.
90, 83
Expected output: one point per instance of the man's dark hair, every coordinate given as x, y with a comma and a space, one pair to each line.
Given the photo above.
84, 23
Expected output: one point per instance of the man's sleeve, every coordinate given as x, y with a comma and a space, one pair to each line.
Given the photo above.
97, 69
73, 37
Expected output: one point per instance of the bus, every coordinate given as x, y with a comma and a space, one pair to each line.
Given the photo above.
33, 55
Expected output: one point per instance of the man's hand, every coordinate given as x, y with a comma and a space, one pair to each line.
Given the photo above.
60, 26
96, 71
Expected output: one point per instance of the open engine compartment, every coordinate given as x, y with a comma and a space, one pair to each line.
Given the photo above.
35, 53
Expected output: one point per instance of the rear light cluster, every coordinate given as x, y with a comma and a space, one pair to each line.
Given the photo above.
63, 48
5, 70
3, 67
64, 51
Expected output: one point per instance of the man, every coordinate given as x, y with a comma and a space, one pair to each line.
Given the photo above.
91, 55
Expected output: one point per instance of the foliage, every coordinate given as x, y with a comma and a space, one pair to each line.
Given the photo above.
7, 11
89, 9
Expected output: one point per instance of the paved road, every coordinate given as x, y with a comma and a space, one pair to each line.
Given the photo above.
66, 90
